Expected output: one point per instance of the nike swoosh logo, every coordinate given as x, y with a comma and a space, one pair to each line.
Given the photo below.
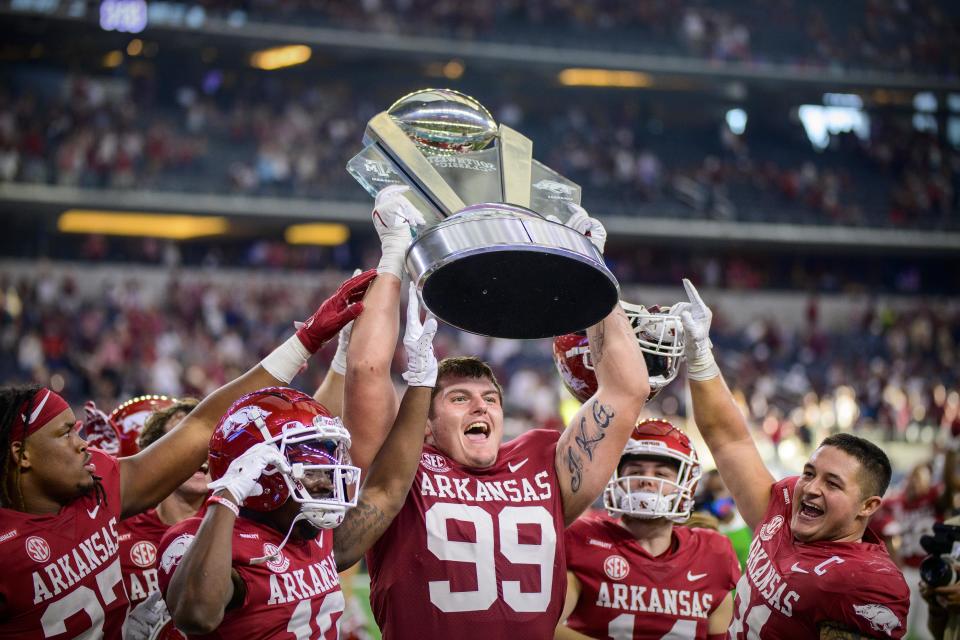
796, 568
36, 412
693, 577
513, 467
93, 512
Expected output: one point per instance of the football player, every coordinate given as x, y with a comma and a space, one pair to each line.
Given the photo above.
477, 550
639, 576
814, 570
261, 563
62, 501
141, 534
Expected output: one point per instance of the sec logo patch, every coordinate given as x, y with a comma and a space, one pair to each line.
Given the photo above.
37, 549
616, 567
143, 554
434, 462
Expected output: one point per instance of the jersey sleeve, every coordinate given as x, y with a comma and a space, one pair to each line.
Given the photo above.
173, 546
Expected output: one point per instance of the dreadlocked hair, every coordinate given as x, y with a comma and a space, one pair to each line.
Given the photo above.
13, 401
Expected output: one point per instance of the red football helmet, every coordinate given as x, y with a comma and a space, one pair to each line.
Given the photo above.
315, 443
647, 496
128, 419
659, 334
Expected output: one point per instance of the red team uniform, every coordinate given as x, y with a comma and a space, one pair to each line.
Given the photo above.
61, 572
295, 596
626, 593
475, 553
139, 540
789, 588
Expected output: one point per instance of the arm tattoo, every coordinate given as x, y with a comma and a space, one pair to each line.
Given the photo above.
575, 465
834, 631
596, 337
359, 523
587, 441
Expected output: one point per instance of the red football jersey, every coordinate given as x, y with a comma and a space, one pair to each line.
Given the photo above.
910, 518
790, 587
475, 553
626, 593
139, 539
61, 572
295, 596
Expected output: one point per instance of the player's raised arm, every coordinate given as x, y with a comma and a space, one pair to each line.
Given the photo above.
393, 469
720, 421
370, 400
591, 445
151, 475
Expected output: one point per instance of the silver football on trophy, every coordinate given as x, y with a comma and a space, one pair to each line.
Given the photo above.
444, 121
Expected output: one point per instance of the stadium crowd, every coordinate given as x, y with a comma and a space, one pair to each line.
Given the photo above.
261, 137
872, 34
890, 371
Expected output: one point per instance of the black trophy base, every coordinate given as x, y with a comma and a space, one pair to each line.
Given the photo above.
520, 293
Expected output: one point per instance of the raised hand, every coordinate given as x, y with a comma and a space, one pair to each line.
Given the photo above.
418, 342
581, 222
244, 472
335, 312
393, 218
696, 317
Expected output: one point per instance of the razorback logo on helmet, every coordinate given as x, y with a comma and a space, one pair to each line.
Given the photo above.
175, 551
616, 567
143, 554
241, 418
129, 418
37, 549
434, 462
881, 618
769, 529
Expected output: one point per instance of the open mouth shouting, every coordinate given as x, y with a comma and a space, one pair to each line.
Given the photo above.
477, 432
809, 512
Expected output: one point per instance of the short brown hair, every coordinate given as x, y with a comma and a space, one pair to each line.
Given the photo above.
875, 463
464, 367
156, 424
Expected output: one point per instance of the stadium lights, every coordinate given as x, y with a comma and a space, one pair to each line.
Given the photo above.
149, 225
319, 233
280, 57
579, 77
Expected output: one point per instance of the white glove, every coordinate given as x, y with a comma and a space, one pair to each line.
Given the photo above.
242, 474
393, 217
145, 618
696, 318
581, 222
418, 341
339, 362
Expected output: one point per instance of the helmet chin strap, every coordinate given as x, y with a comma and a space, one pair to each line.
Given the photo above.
276, 554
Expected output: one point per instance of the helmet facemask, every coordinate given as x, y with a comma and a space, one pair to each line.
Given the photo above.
660, 337
648, 497
322, 478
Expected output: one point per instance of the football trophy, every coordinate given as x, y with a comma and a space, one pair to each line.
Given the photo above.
493, 257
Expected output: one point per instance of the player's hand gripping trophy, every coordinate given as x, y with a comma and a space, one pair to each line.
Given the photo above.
501, 252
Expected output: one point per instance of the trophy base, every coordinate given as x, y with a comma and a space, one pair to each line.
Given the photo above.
503, 271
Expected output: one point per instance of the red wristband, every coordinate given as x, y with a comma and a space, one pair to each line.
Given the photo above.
226, 503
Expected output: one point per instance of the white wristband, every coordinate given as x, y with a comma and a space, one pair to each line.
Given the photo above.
285, 362
703, 367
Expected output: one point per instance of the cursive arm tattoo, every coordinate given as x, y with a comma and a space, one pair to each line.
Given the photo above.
586, 440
